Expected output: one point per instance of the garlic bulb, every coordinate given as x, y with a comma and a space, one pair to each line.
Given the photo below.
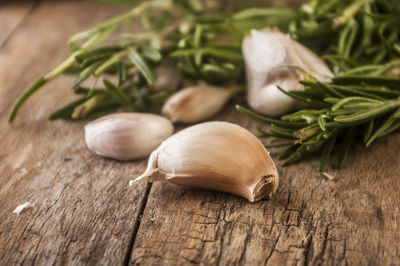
273, 59
215, 155
195, 104
126, 136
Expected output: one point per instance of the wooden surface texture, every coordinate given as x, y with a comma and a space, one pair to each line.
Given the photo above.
85, 213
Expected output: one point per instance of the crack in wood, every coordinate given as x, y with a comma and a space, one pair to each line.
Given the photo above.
308, 251
137, 225
14, 29
272, 249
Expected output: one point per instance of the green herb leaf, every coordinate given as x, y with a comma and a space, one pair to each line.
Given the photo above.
326, 152
117, 94
37, 85
139, 62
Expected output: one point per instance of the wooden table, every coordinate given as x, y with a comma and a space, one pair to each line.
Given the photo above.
85, 213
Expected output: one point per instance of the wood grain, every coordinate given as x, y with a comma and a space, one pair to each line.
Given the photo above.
85, 213
11, 15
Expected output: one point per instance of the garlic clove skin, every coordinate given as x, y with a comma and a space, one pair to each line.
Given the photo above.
215, 155
195, 104
263, 51
312, 63
269, 100
127, 136
273, 59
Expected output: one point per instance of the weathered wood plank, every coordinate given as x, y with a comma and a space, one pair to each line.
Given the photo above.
84, 211
353, 220
11, 15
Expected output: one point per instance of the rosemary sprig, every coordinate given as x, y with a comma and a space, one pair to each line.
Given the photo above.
93, 37
338, 123
203, 46
362, 99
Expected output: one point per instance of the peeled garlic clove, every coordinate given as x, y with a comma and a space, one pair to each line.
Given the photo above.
195, 104
273, 59
218, 156
127, 136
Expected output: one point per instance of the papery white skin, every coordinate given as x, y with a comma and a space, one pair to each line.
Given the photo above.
273, 58
195, 104
215, 155
127, 136
22, 207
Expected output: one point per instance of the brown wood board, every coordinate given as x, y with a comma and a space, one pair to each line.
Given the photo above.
11, 15
85, 213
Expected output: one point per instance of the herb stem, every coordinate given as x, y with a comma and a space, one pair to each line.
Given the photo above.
97, 34
82, 109
36, 86
348, 13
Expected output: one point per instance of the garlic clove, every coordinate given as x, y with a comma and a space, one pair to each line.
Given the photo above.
195, 104
273, 59
215, 155
313, 65
265, 50
268, 99
127, 136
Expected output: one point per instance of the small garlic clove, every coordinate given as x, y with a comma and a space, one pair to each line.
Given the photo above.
273, 59
215, 155
127, 136
195, 104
